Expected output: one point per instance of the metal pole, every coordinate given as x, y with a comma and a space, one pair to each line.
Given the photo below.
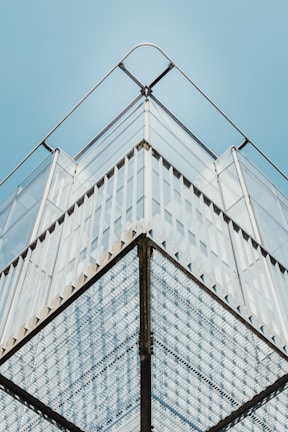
42, 143
250, 406
145, 342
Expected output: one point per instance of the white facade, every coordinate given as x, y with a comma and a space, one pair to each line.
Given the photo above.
221, 215
220, 219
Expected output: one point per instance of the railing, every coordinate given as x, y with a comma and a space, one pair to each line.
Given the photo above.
145, 189
79, 237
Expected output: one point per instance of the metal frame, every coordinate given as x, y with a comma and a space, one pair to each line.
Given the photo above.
249, 407
43, 239
145, 248
145, 337
37, 406
145, 91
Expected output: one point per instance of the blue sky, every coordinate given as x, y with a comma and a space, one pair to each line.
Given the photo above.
53, 52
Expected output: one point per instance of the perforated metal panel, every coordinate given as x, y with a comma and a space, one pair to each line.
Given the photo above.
84, 364
16, 417
206, 362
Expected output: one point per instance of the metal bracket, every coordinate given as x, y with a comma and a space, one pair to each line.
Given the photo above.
145, 90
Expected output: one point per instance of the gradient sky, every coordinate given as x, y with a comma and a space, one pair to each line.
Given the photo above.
53, 52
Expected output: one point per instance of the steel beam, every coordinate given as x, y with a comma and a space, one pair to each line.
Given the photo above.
250, 406
156, 80
145, 339
130, 75
37, 406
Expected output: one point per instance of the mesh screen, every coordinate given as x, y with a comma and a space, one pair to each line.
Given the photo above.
206, 363
15, 417
84, 364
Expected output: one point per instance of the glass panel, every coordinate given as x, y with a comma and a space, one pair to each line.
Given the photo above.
110, 148
59, 194
88, 230
206, 363
269, 172
85, 363
272, 416
19, 211
181, 150
16, 417
270, 210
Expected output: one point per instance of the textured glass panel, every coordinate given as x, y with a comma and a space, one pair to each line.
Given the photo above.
16, 417
89, 229
111, 147
19, 214
206, 363
84, 364
192, 227
181, 150
271, 416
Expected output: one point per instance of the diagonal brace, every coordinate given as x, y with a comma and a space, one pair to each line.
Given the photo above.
171, 65
145, 90
37, 406
130, 75
250, 406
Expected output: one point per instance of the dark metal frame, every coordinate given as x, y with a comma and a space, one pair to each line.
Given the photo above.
251, 406
145, 337
37, 406
145, 247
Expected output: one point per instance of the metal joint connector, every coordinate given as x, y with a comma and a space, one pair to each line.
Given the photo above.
146, 91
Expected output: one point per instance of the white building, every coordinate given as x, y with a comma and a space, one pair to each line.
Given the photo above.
144, 282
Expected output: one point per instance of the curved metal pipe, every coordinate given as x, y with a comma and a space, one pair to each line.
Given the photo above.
117, 65
264, 156
152, 45
142, 44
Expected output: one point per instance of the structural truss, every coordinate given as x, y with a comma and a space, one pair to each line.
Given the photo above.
148, 291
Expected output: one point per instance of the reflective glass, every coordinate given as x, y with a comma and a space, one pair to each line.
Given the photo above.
18, 213
182, 151
109, 149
